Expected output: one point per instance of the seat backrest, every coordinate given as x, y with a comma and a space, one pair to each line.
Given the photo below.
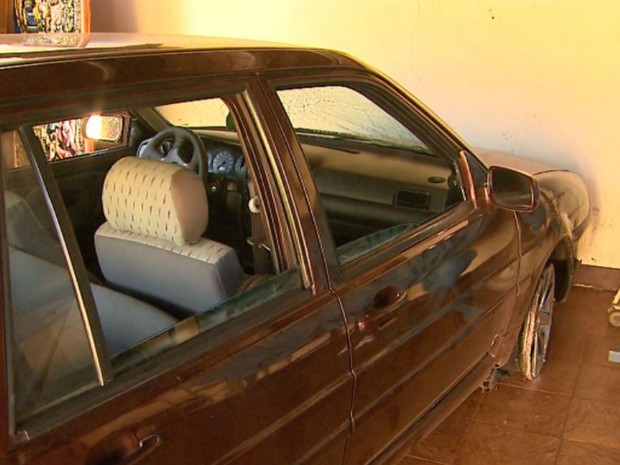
152, 244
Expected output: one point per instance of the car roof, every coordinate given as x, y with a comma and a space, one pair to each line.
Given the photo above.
42, 71
16, 49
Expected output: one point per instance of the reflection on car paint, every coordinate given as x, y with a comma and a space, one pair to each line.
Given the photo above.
189, 328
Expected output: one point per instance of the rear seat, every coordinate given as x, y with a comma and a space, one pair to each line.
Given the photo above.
49, 339
39, 286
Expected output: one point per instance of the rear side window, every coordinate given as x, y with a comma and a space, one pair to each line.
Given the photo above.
176, 251
49, 342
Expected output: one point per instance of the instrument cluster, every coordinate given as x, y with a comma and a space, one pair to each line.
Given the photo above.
227, 161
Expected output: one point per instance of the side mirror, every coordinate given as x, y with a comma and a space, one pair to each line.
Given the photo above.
512, 189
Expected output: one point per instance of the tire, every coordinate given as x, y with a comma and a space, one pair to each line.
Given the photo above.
536, 332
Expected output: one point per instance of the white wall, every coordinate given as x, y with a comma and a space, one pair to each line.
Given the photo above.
540, 78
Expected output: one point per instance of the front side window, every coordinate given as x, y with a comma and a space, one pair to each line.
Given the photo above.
377, 177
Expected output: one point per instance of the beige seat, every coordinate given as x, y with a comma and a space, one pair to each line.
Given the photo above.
152, 244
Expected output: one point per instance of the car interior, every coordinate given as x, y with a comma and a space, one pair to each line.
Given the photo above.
162, 241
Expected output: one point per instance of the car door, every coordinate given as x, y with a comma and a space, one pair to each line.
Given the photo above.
426, 274
263, 377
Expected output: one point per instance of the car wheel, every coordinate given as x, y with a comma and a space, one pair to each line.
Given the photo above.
534, 339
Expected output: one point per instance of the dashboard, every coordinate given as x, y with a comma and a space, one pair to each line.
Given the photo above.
223, 159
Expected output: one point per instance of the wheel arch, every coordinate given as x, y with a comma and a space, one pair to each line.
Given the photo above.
563, 259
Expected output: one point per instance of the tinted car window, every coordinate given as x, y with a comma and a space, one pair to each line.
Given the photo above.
377, 179
171, 255
50, 349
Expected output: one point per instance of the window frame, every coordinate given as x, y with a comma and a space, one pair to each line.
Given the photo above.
408, 112
205, 347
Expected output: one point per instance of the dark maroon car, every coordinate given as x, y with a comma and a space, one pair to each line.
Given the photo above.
228, 252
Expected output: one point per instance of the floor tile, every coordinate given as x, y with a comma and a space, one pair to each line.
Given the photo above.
487, 444
596, 304
556, 377
568, 341
574, 453
414, 461
598, 382
598, 346
532, 411
469, 407
594, 422
443, 443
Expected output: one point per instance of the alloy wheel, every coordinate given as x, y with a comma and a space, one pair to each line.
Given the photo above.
534, 341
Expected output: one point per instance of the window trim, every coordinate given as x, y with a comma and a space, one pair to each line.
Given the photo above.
7, 389
68, 242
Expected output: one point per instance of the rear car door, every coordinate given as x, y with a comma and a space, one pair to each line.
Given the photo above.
425, 275
261, 377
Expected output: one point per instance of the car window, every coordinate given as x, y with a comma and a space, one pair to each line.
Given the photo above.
175, 251
377, 178
49, 345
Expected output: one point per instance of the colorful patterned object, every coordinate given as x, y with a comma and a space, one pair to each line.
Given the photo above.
62, 139
52, 15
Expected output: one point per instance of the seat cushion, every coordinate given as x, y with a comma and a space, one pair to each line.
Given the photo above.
38, 286
49, 339
189, 279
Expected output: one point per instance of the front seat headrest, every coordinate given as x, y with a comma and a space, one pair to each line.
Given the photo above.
157, 199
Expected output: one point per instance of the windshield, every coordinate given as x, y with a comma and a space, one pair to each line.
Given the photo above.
343, 113
204, 114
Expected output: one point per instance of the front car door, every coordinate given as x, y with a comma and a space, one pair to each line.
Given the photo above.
426, 276
261, 377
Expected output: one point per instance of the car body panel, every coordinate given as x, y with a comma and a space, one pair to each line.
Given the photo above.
440, 332
496, 157
318, 377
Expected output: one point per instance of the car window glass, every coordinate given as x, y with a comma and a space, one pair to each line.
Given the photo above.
49, 344
336, 111
376, 177
207, 113
171, 247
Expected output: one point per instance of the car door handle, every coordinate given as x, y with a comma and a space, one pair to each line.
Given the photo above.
124, 449
383, 313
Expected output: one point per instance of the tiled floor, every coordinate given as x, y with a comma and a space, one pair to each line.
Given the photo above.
569, 416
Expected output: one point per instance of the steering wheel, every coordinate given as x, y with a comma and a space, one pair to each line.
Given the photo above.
181, 139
